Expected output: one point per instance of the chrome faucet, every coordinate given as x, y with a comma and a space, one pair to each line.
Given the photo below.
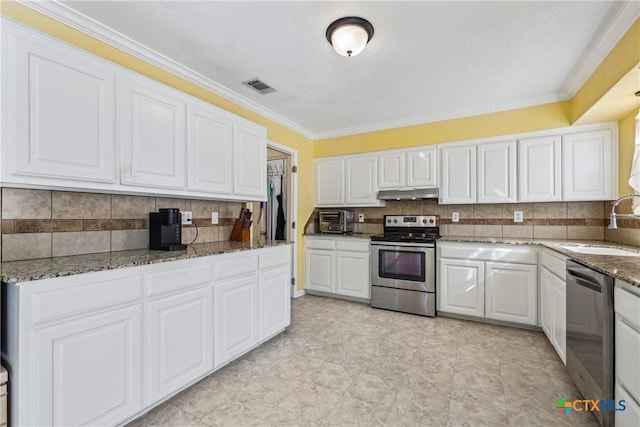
612, 217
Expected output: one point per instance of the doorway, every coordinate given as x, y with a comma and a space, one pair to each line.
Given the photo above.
277, 216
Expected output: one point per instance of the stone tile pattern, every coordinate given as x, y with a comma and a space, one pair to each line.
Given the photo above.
369, 367
562, 220
42, 223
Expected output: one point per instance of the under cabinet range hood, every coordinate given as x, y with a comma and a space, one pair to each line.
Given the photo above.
415, 194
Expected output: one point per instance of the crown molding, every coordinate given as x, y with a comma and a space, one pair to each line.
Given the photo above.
599, 48
437, 117
89, 26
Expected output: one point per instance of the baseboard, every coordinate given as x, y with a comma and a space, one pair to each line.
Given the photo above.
297, 293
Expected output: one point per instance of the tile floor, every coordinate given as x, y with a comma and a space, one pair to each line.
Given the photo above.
343, 363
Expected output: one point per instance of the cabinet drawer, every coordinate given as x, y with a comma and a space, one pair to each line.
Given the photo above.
63, 296
235, 267
627, 305
357, 245
627, 355
179, 276
553, 263
492, 252
280, 256
319, 244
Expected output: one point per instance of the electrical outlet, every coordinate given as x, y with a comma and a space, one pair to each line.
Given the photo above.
455, 216
214, 217
517, 216
360, 217
187, 218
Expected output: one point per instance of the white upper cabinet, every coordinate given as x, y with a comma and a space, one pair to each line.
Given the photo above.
210, 150
497, 172
539, 163
458, 184
329, 182
391, 170
408, 169
588, 161
361, 174
422, 167
59, 112
250, 160
152, 132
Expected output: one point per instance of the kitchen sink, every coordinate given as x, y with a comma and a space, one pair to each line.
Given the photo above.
600, 250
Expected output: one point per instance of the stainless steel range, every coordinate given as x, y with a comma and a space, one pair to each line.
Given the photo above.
403, 273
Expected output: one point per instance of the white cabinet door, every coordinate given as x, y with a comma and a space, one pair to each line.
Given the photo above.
539, 166
250, 161
560, 317
361, 180
391, 171
458, 174
630, 417
236, 317
319, 270
422, 168
89, 370
589, 166
180, 348
329, 182
546, 303
461, 287
152, 129
59, 105
275, 305
352, 274
210, 150
627, 341
511, 292
497, 172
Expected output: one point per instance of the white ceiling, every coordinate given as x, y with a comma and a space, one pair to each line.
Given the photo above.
427, 60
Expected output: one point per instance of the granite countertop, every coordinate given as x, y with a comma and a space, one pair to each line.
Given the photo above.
625, 268
46, 268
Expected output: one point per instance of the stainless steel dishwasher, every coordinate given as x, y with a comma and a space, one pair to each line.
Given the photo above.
590, 334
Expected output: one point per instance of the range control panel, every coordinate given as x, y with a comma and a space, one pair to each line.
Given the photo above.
411, 220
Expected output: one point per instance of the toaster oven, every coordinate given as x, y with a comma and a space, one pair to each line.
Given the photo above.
336, 221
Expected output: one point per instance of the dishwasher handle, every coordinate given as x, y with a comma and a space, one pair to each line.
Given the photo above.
584, 280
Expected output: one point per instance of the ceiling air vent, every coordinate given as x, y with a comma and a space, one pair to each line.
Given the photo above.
259, 86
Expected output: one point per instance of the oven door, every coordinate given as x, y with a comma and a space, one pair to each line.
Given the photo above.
403, 266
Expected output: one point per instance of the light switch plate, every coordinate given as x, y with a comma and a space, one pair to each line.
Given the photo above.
455, 217
187, 217
214, 217
360, 217
517, 216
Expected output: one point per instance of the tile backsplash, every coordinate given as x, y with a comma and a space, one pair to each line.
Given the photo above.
43, 223
562, 220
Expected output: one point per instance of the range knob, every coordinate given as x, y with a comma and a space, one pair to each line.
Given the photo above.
431, 221
424, 221
395, 221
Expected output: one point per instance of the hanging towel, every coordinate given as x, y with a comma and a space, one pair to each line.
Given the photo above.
634, 177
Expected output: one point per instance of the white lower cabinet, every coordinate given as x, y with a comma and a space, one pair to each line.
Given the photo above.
511, 292
101, 348
491, 281
236, 317
275, 293
462, 289
553, 303
86, 371
180, 349
627, 352
338, 265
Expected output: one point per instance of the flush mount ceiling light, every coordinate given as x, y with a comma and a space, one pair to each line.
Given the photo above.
349, 35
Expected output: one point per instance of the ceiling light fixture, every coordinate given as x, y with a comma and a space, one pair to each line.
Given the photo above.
349, 35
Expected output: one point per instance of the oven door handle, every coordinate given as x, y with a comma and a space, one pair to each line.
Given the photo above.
403, 244
584, 281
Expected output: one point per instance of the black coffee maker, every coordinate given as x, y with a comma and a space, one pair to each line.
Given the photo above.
165, 230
